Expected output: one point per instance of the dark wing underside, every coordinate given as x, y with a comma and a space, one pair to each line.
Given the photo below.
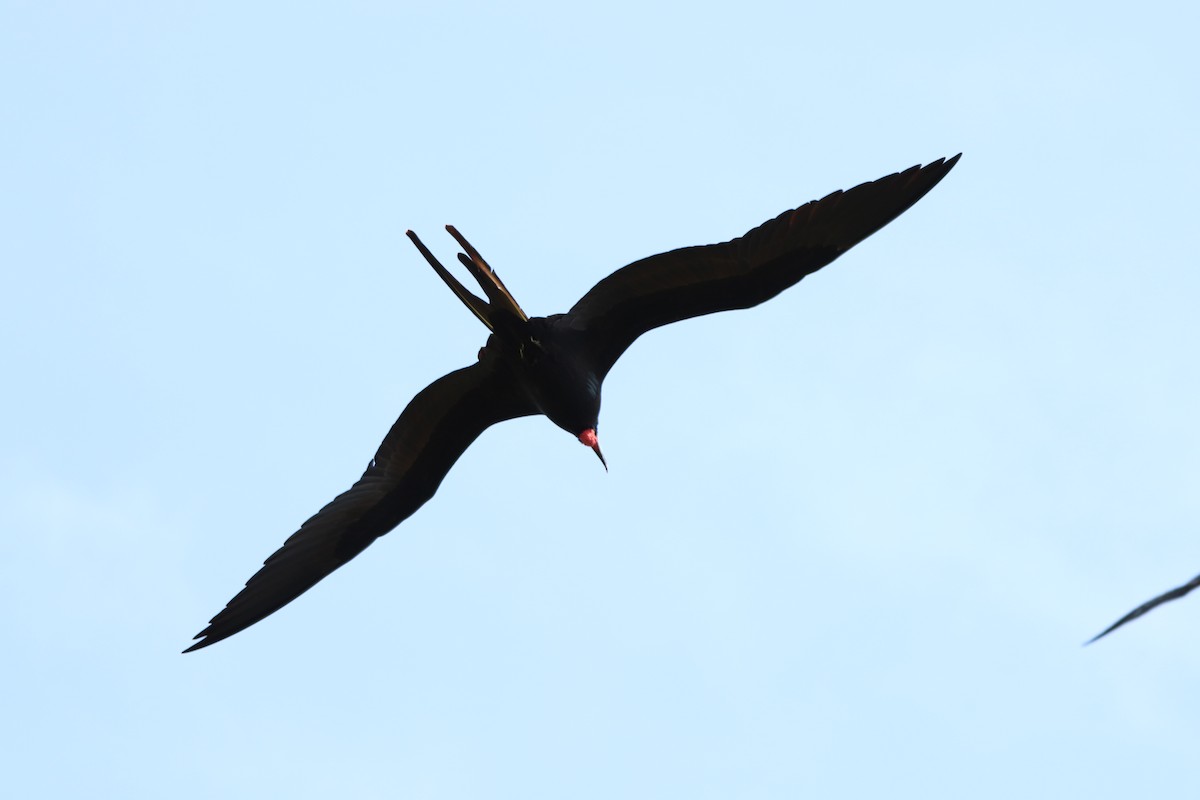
744, 272
435, 429
1165, 597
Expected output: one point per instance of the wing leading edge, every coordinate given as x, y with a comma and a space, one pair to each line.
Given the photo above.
745, 271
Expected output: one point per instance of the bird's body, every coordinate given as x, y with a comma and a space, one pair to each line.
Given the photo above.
556, 366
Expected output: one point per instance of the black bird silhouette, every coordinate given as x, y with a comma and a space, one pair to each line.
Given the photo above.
555, 366
1149, 605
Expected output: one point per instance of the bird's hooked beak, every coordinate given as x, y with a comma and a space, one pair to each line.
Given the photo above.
588, 438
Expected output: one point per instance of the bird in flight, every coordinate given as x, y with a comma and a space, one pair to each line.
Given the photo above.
1149, 605
555, 366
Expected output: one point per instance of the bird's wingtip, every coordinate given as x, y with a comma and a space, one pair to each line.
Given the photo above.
1110, 628
203, 639
944, 164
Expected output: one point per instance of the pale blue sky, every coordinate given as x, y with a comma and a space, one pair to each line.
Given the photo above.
851, 540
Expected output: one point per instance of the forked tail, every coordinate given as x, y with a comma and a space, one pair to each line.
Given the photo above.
501, 299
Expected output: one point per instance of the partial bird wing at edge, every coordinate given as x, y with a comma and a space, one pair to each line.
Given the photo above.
436, 427
1165, 597
744, 272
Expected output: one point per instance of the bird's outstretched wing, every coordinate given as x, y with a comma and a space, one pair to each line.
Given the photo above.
1165, 597
744, 272
435, 429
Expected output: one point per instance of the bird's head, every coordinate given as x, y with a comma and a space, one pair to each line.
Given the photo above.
588, 437
559, 381
581, 424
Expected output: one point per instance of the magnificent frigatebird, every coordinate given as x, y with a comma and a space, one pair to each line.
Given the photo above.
1149, 605
555, 365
